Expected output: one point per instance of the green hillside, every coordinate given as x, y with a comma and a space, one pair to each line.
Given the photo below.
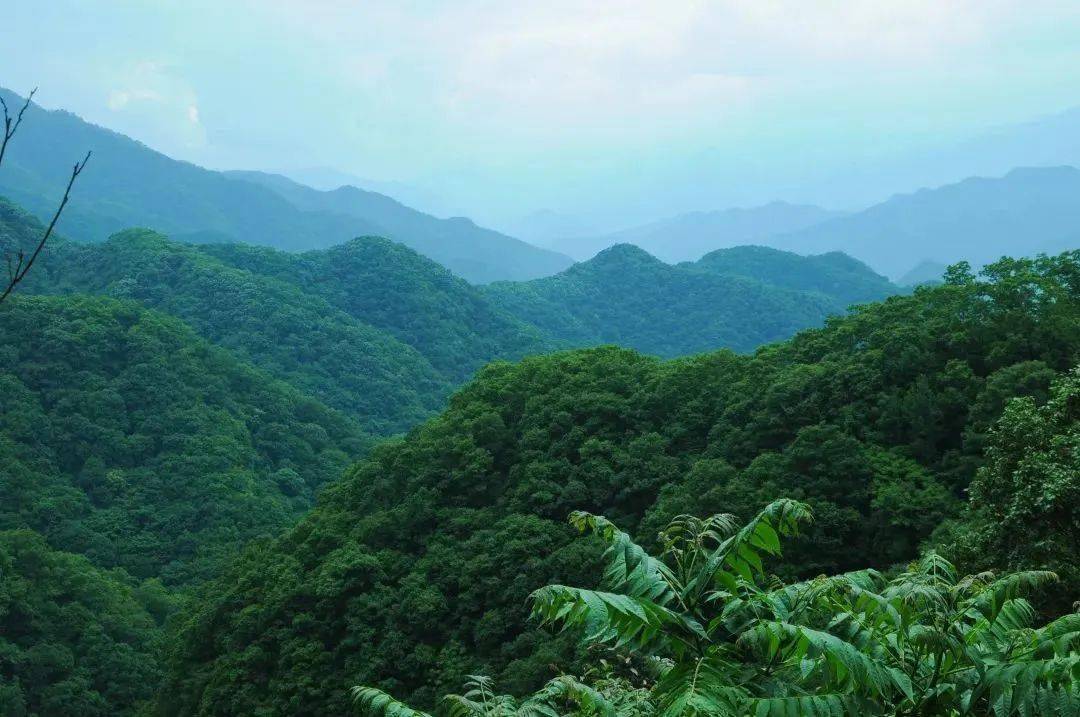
413, 570
835, 274
296, 336
626, 296
74, 639
393, 288
128, 439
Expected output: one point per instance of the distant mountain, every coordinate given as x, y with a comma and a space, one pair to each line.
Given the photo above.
547, 228
979, 220
925, 272
128, 184
628, 297
478, 254
687, 237
837, 275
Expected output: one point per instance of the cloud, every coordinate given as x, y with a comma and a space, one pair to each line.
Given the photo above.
155, 95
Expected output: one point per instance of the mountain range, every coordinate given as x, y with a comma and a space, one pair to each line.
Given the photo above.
130, 184
687, 237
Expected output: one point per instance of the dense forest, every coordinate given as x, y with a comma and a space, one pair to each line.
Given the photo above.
737, 299
241, 481
414, 570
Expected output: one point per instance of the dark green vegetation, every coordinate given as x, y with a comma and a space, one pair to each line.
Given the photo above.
978, 220
716, 635
378, 331
296, 336
391, 287
413, 569
74, 639
126, 438
738, 298
132, 185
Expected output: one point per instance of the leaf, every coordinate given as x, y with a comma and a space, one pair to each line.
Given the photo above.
630, 568
376, 703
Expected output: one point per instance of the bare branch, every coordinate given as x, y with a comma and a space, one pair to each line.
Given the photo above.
21, 269
12, 125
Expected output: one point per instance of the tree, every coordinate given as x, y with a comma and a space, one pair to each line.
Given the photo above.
17, 259
734, 642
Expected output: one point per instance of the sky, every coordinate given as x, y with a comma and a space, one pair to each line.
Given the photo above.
610, 113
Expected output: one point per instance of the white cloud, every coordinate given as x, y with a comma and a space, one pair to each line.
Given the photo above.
154, 94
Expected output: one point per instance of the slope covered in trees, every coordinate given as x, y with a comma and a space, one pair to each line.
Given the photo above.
132, 185
74, 639
391, 287
628, 297
413, 570
296, 336
835, 274
126, 438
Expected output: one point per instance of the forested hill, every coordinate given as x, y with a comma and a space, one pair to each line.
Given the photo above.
127, 438
298, 337
391, 287
132, 185
737, 299
384, 334
835, 274
413, 571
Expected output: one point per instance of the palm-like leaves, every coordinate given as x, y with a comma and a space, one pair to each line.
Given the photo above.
732, 641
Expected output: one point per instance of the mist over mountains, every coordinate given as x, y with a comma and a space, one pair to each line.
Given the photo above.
132, 185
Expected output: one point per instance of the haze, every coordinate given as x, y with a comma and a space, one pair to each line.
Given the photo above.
607, 113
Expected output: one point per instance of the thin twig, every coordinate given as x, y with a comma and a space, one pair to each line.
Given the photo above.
21, 269
11, 126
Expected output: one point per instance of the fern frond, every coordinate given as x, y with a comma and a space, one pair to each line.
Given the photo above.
991, 599
740, 556
616, 619
376, 703
828, 705
630, 569
705, 686
588, 700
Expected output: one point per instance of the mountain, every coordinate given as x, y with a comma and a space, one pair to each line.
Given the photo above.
626, 296
78, 639
834, 274
979, 220
925, 272
687, 237
128, 184
128, 439
391, 287
480, 255
415, 569
299, 338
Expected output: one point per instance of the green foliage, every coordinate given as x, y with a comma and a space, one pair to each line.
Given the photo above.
1024, 500
293, 335
127, 439
836, 275
731, 641
625, 296
74, 639
412, 570
391, 287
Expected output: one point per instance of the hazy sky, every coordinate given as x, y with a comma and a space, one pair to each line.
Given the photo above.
612, 110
